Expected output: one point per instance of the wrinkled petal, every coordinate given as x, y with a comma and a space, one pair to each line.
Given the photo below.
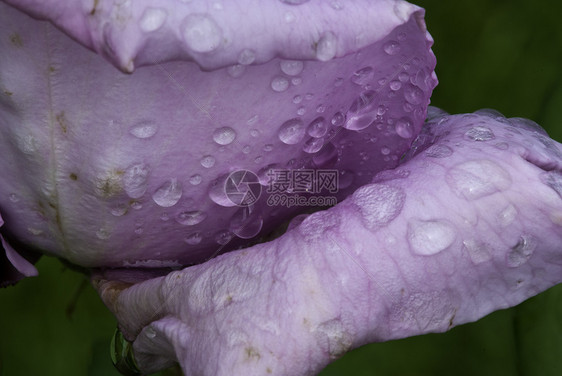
116, 170
470, 223
136, 33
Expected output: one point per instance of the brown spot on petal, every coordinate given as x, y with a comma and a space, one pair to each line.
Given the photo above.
15, 39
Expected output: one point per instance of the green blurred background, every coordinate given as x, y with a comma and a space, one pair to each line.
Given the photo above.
505, 55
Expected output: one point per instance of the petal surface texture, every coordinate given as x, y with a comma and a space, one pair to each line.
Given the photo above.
470, 223
108, 169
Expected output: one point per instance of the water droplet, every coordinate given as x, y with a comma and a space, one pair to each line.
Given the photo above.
191, 218
297, 99
195, 179
320, 108
317, 127
144, 130
292, 131
164, 217
430, 237
385, 150
246, 223
279, 84
134, 180
201, 33
346, 177
218, 191
236, 71
507, 216
135, 205
477, 250
223, 237
502, 145
168, 194
313, 145
13, 197
413, 94
391, 47
296, 81
521, 252
438, 151
246, 57
194, 239
480, 133
291, 67
327, 155
103, 234
379, 204
404, 128
338, 119
327, 46
301, 111
119, 210
478, 178
268, 147
152, 19
224, 135
208, 161
395, 85
363, 76
246, 149
149, 332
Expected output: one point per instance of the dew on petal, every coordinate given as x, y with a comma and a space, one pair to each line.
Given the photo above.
246, 57
224, 135
313, 145
201, 33
246, 224
236, 71
195, 179
327, 46
338, 119
438, 151
292, 131
152, 19
428, 238
480, 133
194, 239
144, 130
391, 47
477, 250
413, 94
317, 127
478, 178
521, 252
404, 127
223, 237
191, 218
168, 194
363, 76
119, 210
291, 67
279, 84
135, 180
378, 204
208, 161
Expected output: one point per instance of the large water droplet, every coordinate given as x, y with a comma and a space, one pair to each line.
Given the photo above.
134, 180
338, 119
224, 135
363, 76
208, 161
201, 33
379, 204
345, 179
246, 223
391, 47
480, 134
218, 191
327, 46
313, 145
194, 239
430, 237
317, 127
279, 84
152, 19
291, 67
439, 151
168, 194
191, 218
478, 178
404, 127
521, 252
292, 131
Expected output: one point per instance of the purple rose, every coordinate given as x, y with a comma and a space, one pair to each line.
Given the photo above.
231, 119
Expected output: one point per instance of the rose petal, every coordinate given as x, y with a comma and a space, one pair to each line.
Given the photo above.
471, 223
115, 170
